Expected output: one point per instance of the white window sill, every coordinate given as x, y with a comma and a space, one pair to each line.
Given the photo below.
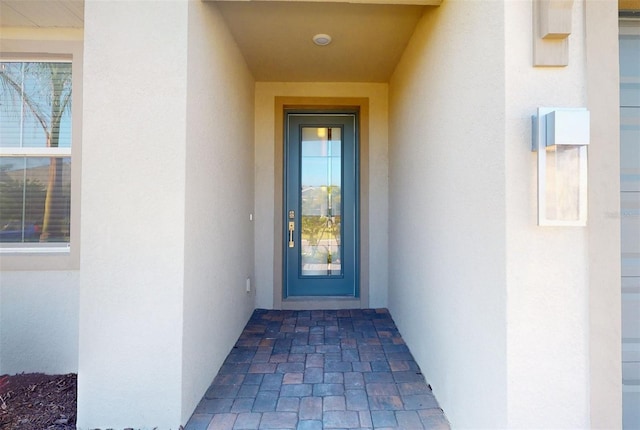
54, 249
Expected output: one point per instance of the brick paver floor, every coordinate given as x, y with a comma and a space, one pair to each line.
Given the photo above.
344, 369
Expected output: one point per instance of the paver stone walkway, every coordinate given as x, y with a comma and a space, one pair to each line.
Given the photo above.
344, 369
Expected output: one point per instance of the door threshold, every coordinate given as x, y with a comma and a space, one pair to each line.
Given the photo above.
321, 303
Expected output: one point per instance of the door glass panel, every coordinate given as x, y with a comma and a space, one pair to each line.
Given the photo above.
321, 200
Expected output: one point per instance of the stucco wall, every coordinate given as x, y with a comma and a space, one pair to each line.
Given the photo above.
547, 268
605, 369
447, 250
39, 322
266, 92
169, 193
219, 199
133, 215
502, 315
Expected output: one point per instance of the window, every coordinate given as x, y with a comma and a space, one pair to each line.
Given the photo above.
35, 155
27, 158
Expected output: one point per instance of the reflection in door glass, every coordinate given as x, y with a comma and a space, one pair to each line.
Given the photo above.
321, 199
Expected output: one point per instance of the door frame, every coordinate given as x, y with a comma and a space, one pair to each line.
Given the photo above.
321, 104
295, 281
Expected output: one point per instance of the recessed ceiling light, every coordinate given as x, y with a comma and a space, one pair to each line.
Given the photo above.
322, 39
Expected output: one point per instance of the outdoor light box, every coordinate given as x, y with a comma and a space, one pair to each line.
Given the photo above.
560, 137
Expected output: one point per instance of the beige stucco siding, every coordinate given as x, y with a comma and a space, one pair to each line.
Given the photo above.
133, 215
218, 201
447, 282
502, 315
547, 268
39, 322
163, 301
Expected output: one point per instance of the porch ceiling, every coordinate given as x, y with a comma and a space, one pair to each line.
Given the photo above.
42, 13
276, 38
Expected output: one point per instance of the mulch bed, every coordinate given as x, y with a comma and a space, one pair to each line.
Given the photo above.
34, 401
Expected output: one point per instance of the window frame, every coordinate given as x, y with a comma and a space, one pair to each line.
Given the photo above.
49, 45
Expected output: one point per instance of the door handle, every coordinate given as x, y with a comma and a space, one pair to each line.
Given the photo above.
292, 227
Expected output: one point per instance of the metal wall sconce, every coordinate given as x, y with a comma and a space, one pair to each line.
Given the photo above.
560, 137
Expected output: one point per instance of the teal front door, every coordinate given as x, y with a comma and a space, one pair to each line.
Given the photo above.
321, 204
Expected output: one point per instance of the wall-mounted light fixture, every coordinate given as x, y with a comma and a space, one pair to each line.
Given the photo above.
560, 137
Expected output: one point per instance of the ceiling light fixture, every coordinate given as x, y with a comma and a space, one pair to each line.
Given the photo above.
322, 39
